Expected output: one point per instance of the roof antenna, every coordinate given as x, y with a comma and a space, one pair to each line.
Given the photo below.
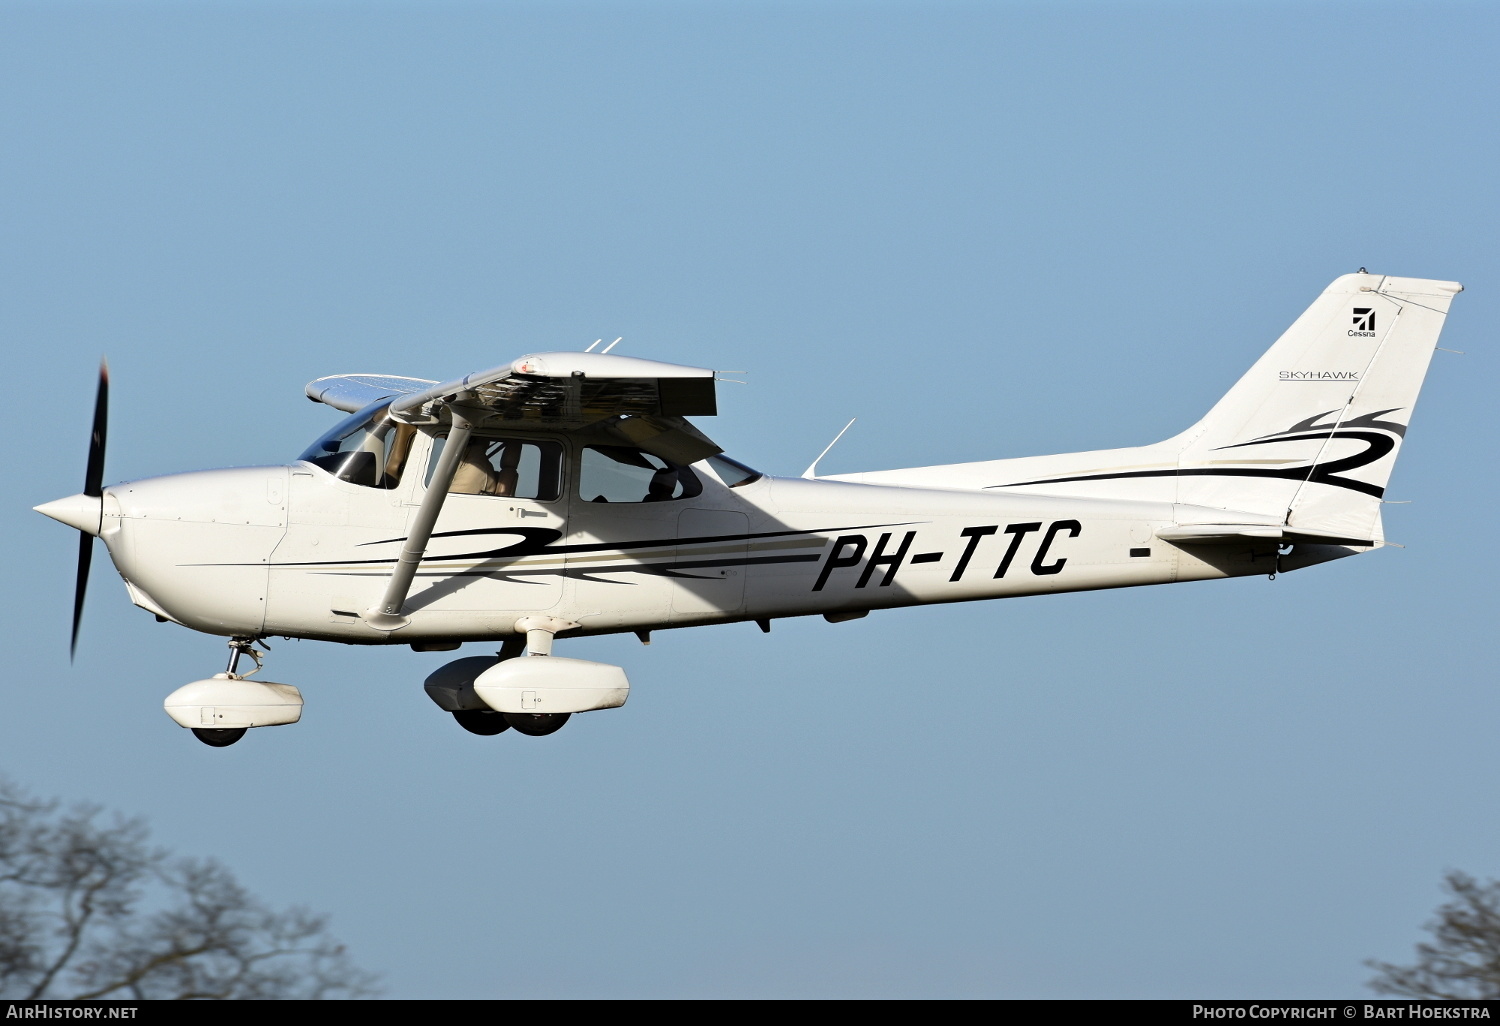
590, 349
811, 473
1363, 271
610, 346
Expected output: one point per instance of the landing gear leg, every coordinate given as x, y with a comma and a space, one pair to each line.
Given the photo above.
223, 737
244, 647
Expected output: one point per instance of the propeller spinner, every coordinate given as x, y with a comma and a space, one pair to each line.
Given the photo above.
85, 511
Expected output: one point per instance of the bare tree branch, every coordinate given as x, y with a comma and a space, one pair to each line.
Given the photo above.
91, 910
1463, 962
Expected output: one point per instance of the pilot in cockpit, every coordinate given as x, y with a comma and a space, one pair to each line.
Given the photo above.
488, 467
663, 484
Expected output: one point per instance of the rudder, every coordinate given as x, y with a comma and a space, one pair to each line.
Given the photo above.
1312, 430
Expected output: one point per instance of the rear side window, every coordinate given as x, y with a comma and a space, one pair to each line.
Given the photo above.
620, 473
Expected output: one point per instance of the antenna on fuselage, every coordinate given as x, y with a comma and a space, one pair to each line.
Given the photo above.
590, 349
611, 345
811, 472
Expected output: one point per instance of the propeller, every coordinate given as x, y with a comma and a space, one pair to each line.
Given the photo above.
93, 486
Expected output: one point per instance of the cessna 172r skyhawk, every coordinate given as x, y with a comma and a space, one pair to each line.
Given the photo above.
566, 494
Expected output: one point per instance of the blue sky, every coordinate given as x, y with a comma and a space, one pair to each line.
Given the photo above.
986, 230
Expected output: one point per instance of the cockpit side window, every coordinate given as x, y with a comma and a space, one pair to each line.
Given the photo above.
367, 449
620, 473
508, 467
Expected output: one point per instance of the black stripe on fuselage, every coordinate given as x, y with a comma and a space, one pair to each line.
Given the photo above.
529, 544
588, 572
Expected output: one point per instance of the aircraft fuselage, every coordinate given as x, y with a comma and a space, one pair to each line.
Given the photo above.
294, 551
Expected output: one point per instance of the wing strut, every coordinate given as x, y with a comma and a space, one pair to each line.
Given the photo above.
386, 614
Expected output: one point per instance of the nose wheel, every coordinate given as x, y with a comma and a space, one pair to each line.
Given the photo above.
223, 737
219, 709
218, 737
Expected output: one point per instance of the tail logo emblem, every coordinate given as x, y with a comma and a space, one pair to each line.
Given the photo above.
1364, 322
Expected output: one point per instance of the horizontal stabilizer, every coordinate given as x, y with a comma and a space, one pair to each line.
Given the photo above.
1236, 534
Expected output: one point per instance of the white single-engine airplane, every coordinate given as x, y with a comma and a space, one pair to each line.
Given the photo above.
565, 494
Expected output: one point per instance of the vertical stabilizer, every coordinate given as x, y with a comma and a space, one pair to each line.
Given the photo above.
1312, 430
1308, 435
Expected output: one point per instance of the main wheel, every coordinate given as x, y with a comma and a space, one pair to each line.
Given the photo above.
218, 737
481, 721
537, 724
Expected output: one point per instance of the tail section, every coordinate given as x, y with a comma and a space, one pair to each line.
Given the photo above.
1308, 435
1312, 431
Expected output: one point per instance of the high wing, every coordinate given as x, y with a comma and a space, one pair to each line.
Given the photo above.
351, 392
621, 398
572, 390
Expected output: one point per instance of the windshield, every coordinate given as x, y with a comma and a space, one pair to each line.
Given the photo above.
368, 448
732, 472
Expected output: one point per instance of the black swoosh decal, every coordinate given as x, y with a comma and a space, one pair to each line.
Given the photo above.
1376, 446
587, 573
1311, 424
536, 542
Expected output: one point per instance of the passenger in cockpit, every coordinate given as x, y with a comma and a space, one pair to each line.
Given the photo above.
475, 475
509, 472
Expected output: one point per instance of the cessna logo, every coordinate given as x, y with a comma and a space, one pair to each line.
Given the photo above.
1364, 323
